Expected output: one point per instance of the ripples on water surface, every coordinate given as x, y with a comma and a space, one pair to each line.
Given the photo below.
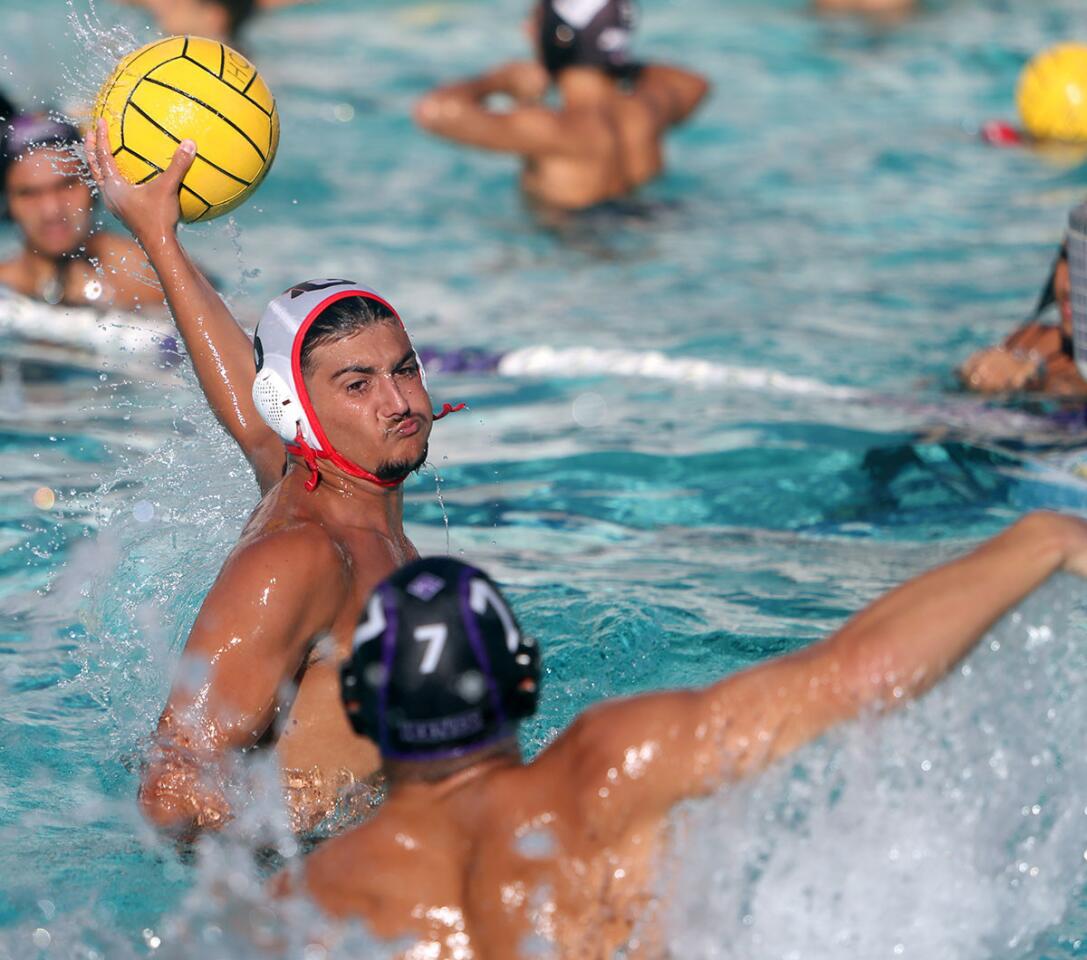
828, 216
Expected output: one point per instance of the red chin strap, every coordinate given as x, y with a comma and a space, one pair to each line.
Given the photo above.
310, 457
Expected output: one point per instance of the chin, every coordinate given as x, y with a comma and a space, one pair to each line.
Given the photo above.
392, 469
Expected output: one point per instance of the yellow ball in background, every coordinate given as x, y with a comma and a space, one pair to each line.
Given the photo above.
1052, 94
189, 88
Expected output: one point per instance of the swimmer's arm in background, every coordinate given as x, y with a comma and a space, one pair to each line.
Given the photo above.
668, 747
250, 639
458, 111
672, 93
221, 350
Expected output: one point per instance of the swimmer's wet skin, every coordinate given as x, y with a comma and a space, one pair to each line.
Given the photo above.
214, 19
476, 853
892, 9
62, 260
1038, 357
340, 385
605, 139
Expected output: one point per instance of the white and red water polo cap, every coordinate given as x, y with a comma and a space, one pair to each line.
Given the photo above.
279, 390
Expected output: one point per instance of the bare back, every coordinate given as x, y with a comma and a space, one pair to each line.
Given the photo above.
621, 141
498, 859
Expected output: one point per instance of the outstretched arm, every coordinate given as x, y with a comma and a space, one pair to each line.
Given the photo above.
458, 111
688, 743
221, 351
250, 637
671, 92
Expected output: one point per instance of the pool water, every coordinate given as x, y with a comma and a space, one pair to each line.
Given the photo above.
829, 241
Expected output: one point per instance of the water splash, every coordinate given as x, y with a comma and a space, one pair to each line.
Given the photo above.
954, 830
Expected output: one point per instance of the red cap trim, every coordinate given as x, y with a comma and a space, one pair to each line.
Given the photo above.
325, 450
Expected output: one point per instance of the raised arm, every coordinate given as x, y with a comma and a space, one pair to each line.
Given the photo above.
689, 743
250, 637
671, 92
459, 111
221, 351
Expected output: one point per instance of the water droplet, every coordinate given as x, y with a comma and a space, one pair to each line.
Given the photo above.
42, 938
44, 498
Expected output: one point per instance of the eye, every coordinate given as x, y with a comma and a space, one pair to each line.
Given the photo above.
410, 369
357, 386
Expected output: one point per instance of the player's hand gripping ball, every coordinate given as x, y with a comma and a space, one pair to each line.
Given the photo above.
188, 88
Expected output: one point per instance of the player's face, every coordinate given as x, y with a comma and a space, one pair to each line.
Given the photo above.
368, 393
49, 202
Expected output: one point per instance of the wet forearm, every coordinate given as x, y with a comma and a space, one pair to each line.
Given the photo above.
221, 351
903, 643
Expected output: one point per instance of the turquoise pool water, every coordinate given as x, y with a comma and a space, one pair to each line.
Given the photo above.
828, 217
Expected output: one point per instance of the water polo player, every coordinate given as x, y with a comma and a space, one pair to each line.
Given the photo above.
63, 259
605, 139
214, 19
1038, 357
887, 9
329, 405
476, 853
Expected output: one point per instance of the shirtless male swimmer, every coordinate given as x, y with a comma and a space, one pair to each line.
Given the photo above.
605, 139
337, 379
475, 853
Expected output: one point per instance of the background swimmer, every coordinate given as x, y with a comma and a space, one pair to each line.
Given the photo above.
324, 533
63, 259
475, 851
605, 139
214, 19
1038, 356
891, 9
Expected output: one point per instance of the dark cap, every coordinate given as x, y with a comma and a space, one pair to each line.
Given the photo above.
586, 33
25, 131
439, 666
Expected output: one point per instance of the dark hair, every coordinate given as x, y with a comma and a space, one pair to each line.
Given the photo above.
7, 111
342, 319
238, 11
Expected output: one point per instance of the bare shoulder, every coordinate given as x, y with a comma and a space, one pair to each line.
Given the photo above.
302, 547
619, 734
112, 248
348, 876
10, 274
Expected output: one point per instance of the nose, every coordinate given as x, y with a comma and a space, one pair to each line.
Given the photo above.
393, 403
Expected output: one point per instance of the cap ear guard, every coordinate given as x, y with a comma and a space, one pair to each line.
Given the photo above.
277, 404
521, 688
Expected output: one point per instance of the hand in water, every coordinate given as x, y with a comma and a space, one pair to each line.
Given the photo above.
149, 210
999, 370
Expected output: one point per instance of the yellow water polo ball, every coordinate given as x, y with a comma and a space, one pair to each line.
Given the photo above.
189, 88
1052, 94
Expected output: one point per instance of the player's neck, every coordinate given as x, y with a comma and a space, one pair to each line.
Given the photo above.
352, 501
585, 86
448, 776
